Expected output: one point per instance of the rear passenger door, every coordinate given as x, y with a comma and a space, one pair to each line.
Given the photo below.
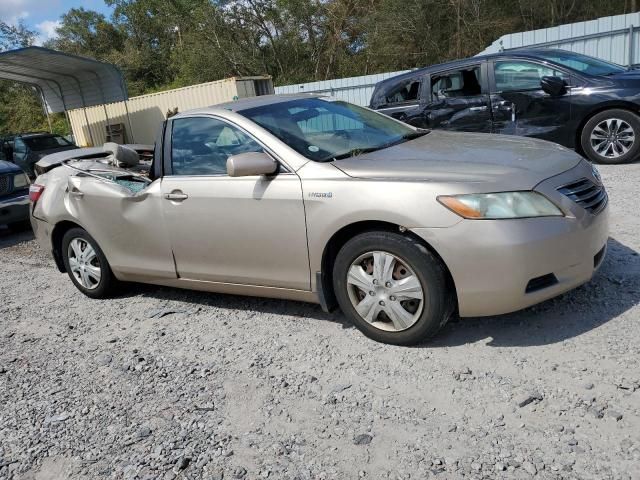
521, 107
458, 99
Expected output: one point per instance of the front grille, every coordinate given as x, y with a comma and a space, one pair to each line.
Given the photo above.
5, 184
587, 194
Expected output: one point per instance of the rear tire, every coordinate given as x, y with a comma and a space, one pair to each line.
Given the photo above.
87, 265
392, 288
612, 137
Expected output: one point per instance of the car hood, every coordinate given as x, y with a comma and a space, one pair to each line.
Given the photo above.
496, 160
49, 151
8, 167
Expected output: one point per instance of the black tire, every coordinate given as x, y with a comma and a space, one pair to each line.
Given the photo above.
630, 118
21, 226
108, 283
439, 298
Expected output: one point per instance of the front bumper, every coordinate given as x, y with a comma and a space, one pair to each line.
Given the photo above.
14, 208
500, 266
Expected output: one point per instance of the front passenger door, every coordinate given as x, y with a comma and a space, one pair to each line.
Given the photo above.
521, 107
240, 230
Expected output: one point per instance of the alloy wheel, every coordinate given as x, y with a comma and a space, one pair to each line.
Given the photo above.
385, 291
84, 263
612, 138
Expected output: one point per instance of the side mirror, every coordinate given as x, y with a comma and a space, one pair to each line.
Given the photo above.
554, 86
251, 163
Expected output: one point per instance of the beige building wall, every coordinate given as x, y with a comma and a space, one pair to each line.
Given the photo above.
148, 111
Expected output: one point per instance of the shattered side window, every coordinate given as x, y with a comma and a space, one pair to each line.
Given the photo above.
406, 91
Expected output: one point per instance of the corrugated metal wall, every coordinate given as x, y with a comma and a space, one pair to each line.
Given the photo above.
148, 111
607, 38
356, 90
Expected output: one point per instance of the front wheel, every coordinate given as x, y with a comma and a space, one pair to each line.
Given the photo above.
612, 137
86, 264
392, 288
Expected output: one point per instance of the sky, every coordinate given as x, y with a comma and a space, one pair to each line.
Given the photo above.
43, 16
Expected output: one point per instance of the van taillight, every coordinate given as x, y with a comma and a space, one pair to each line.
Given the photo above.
35, 192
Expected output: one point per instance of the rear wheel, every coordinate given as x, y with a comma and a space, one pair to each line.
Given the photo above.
392, 288
86, 264
612, 137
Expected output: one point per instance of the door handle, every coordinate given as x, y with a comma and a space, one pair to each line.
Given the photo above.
478, 109
76, 193
506, 106
176, 196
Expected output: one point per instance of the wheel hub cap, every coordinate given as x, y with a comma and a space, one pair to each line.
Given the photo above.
385, 291
84, 263
612, 138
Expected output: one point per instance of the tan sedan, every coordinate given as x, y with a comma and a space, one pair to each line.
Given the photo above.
312, 199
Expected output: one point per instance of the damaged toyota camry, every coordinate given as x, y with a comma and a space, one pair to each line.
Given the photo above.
313, 199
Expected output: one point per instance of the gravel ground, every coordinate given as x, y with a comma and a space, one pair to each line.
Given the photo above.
164, 383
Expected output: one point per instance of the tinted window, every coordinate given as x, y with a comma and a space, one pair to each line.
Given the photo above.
323, 130
582, 63
46, 143
519, 75
19, 147
201, 145
459, 83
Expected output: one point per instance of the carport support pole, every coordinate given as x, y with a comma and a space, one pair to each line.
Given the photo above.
133, 139
106, 115
46, 109
86, 119
66, 116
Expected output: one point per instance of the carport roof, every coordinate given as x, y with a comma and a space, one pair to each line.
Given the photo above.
66, 81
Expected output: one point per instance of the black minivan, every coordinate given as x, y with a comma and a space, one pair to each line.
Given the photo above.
575, 100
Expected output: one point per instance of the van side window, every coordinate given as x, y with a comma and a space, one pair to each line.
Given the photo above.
518, 75
457, 83
405, 91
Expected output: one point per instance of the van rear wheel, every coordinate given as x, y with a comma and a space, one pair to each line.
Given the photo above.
392, 288
612, 137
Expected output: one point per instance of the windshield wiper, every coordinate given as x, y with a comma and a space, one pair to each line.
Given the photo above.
359, 151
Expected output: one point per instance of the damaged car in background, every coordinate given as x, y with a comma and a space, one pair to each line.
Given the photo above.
576, 100
307, 198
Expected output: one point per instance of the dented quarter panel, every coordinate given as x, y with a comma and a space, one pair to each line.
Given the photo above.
129, 228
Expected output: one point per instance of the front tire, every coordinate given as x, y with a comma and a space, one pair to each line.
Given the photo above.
18, 227
86, 264
612, 137
392, 288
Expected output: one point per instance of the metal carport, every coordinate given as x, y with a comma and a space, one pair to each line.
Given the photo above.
65, 81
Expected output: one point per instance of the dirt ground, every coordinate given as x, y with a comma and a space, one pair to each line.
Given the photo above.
163, 383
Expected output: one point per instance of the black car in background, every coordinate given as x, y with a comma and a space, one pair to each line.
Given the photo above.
27, 148
14, 195
575, 100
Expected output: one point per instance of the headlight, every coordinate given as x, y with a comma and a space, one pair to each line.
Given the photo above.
20, 181
500, 205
